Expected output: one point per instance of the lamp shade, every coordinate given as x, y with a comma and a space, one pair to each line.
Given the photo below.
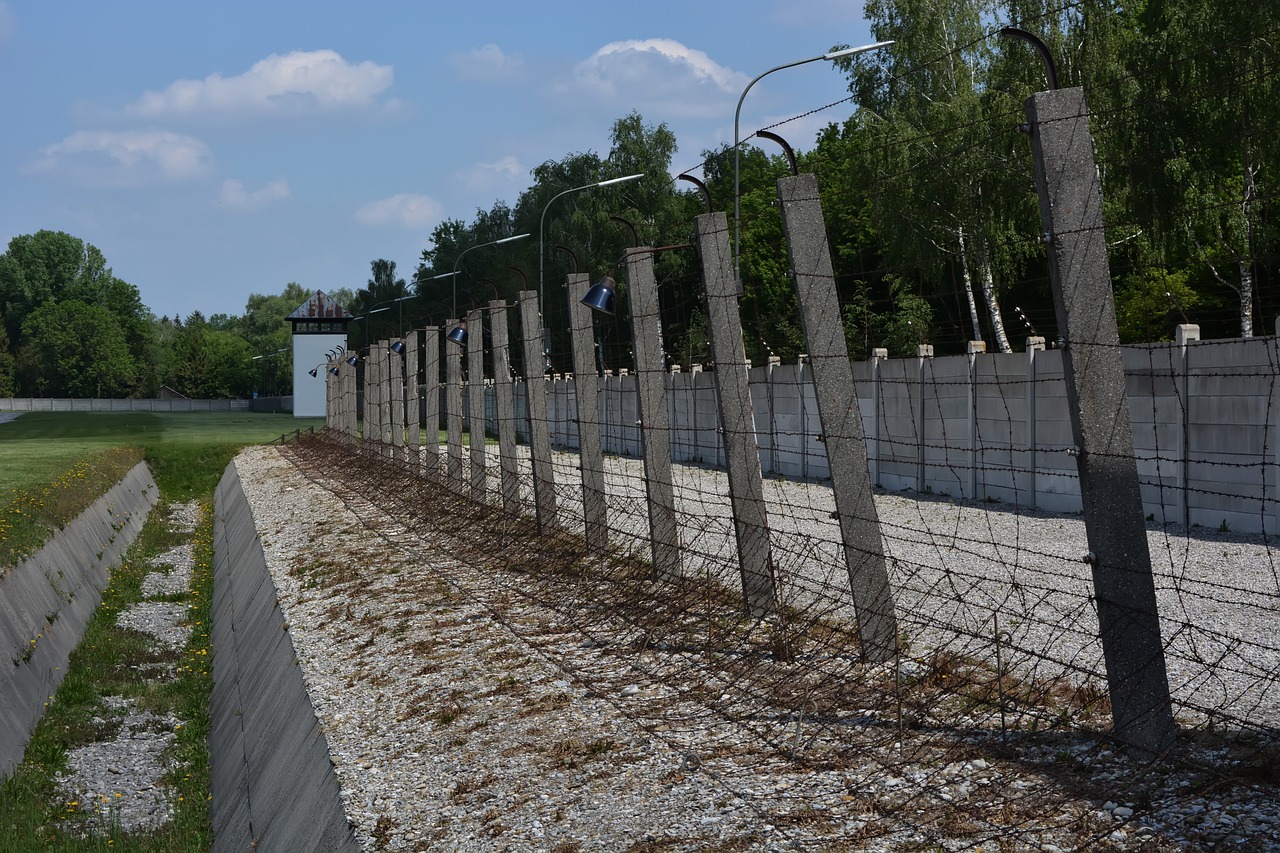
353, 359
600, 296
458, 334
333, 370
313, 371
397, 346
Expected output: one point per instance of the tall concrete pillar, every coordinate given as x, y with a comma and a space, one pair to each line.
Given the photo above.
544, 481
1071, 211
655, 432
413, 398
737, 418
395, 384
475, 402
453, 412
431, 403
586, 386
838, 412
504, 392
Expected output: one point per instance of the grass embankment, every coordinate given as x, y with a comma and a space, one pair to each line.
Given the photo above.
42, 456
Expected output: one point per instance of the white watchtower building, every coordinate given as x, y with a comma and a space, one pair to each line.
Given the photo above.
319, 327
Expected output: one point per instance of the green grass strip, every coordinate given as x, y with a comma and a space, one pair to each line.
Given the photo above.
112, 661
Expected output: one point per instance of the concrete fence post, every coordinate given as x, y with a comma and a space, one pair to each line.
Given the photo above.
1071, 211
924, 352
975, 348
1035, 345
737, 420
805, 227
504, 403
475, 403
655, 433
395, 379
1185, 334
586, 387
431, 402
544, 480
878, 356
413, 398
453, 411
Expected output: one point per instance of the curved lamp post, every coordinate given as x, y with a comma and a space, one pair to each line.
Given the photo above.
457, 263
835, 54
543, 221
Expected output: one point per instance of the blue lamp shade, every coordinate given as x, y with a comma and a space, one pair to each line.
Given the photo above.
353, 359
458, 334
601, 296
313, 371
397, 346
333, 371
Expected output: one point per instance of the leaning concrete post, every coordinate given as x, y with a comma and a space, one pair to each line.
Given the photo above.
586, 387
395, 378
1071, 210
431, 402
384, 396
453, 411
838, 412
655, 431
544, 481
413, 412
737, 419
504, 392
475, 402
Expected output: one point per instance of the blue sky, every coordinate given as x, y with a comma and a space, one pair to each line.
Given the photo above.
216, 150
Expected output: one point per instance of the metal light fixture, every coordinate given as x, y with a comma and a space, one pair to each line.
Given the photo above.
600, 297
397, 346
313, 371
333, 371
458, 334
353, 359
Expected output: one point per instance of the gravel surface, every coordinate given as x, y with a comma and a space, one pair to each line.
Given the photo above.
122, 778
461, 717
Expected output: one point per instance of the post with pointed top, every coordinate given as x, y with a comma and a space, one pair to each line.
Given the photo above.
1129, 624
544, 482
841, 419
586, 387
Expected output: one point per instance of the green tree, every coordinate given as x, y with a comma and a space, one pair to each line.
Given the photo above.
7, 383
71, 349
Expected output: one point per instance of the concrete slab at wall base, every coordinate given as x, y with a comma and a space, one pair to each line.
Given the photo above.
273, 784
47, 600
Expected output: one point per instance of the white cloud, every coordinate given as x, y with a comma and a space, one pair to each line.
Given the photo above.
234, 194
126, 156
498, 176
301, 81
488, 63
658, 75
409, 210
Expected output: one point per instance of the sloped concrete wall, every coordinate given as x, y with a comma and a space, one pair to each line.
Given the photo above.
47, 600
273, 784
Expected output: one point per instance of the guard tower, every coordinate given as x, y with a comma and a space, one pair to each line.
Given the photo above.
319, 325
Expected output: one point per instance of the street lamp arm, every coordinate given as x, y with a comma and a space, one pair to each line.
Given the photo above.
458, 262
737, 142
542, 222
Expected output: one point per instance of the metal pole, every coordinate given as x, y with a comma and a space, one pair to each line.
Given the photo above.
458, 262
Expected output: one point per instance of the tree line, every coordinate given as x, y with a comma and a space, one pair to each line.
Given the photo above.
932, 215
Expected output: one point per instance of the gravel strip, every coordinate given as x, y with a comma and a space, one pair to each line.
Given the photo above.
461, 717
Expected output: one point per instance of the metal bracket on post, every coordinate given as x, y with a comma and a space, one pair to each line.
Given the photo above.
1129, 624
838, 410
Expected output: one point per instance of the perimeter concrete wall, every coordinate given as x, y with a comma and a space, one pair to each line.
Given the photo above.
47, 600
273, 785
80, 404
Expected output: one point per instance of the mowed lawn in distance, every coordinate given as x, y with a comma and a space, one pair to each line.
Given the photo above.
38, 446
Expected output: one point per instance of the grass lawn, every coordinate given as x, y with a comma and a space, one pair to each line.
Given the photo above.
37, 447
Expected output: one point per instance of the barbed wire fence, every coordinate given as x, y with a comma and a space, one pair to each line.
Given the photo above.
970, 599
